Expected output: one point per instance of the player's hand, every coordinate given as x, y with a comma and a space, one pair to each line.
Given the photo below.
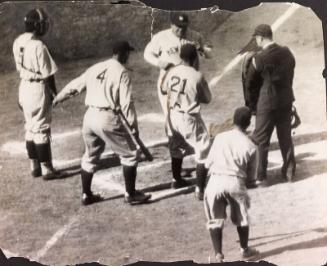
55, 102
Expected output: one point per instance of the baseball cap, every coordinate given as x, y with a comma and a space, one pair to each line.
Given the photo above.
263, 30
188, 51
119, 47
242, 117
179, 19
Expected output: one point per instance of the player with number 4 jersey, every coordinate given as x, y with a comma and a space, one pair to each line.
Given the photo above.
108, 88
186, 89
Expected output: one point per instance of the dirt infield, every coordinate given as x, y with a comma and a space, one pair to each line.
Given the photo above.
45, 221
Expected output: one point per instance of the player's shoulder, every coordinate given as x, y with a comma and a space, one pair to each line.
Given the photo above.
162, 34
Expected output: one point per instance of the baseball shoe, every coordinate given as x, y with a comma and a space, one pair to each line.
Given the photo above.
198, 194
262, 183
91, 198
138, 197
219, 257
53, 174
180, 183
248, 252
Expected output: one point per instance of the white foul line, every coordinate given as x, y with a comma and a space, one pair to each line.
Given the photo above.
54, 239
288, 13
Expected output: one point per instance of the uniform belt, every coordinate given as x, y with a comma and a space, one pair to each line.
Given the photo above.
35, 80
179, 111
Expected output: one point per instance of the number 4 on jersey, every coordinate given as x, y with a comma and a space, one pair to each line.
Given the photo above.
102, 75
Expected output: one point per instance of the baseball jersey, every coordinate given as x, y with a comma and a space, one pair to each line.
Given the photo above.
107, 85
232, 154
32, 58
166, 46
187, 88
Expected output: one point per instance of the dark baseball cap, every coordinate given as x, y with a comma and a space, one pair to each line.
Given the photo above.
188, 52
179, 19
242, 117
263, 30
119, 47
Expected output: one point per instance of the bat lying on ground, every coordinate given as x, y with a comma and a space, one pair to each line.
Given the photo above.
135, 138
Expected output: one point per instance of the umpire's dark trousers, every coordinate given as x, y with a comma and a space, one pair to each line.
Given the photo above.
266, 121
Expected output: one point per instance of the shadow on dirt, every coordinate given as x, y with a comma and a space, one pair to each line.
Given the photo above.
314, 243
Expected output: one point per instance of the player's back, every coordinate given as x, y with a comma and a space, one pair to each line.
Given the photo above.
182, 81
102, 83
231, 153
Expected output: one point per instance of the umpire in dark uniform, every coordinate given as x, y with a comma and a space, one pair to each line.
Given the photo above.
269, 83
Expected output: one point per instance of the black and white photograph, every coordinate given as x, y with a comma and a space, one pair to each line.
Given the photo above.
132, 133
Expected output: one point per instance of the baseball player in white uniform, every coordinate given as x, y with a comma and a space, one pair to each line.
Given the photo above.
36, 91
232, 163
164, 48
108, 88
186, 89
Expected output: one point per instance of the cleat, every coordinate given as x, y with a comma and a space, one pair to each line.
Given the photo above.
138, 197
248, 252
180, 183
92, 198
262, 183
52, 175
219, 257
36, 172
198, 194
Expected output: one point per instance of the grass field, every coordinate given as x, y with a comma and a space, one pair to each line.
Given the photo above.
44, 221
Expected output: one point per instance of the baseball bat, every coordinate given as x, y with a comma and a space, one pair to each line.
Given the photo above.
137, 141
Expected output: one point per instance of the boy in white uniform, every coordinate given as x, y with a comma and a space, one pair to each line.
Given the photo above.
108, 88
186, 89
232, 164
36, 91
164, 48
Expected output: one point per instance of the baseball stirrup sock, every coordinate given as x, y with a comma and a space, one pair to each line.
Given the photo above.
86, 182
44, 152
31, 150
201, 176
129, 173
176, 167
243, 233
216, 235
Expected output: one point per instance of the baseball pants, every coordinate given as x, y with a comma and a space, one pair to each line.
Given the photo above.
100, 128
185, 130
225, 190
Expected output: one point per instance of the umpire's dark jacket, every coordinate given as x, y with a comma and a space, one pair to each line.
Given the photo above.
270, 78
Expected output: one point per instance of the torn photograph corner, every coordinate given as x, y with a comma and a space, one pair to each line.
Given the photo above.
137, 134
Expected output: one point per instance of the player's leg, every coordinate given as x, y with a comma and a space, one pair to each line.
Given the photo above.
94, 147
121, 143
264, 126
177, 148
197, 136
239, 203
215, 210
284, 135
35, 165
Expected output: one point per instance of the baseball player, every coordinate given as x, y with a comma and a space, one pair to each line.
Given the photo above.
232, 163
108, 88
186, 89
36, 91
164, 48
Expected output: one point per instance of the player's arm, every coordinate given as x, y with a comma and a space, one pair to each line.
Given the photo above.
252, 169
73, 88
203, 91
203, 46
126, 101
152, 54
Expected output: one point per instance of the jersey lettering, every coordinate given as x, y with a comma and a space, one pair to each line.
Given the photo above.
102, 75
172, 50
175, 82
